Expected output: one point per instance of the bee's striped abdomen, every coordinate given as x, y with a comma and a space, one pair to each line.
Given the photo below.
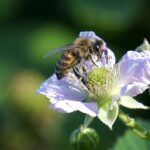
67, 61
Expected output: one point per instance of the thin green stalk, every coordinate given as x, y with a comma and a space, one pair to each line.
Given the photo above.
87, 121
130, 122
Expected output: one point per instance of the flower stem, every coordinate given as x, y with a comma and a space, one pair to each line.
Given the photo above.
87, 121
130, 122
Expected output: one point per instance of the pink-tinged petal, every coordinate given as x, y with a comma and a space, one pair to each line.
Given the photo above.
66, 96
108, 60
111, 58
133, 89
135, 67
134, 74
88, 34
67, 106
60, 90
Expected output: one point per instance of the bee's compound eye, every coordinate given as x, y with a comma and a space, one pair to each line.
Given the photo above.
96, 47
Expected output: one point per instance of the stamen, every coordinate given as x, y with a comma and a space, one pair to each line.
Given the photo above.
100, 82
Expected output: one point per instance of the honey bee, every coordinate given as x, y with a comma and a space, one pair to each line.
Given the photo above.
71, 56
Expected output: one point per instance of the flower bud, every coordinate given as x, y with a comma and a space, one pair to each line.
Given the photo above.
144, 46
84, 139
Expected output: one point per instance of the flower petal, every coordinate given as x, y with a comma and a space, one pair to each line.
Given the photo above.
111, 58
66, 96
134, 74
71, 106
130, 102
107, 61
135, 67
107, 115
133, 89
130, 90
88, 34
60, 90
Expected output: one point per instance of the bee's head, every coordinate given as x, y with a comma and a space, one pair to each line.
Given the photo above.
99, 46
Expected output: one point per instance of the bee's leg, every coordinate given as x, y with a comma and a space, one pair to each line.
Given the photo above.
90, 58
79, 76
84, 70
76, 72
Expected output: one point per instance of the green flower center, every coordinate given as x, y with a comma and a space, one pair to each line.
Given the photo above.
100, 83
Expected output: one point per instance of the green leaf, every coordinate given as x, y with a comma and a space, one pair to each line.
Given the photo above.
107, 115
131, 103
130, 141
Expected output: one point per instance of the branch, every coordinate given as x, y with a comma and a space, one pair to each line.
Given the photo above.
130, 122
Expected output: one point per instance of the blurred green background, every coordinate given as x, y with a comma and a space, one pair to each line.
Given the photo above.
28, 30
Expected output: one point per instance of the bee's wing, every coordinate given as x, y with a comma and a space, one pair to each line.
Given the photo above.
58, 50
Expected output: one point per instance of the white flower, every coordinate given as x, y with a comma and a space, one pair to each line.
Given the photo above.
107, 86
